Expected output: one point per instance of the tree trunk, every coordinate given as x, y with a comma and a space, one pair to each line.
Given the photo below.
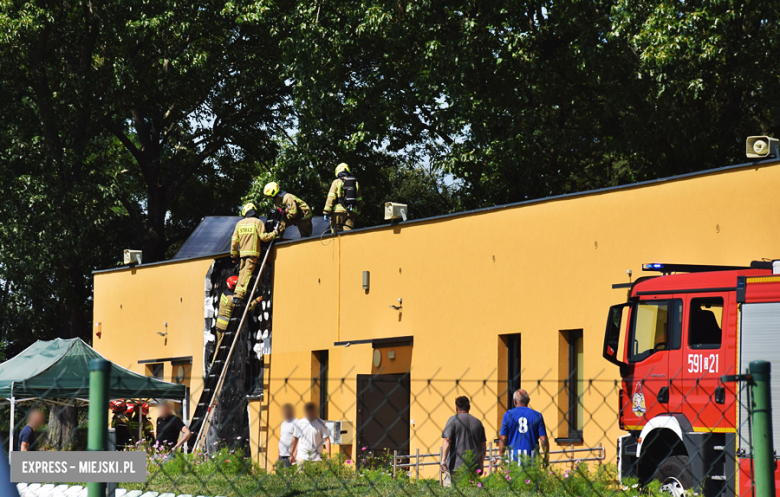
155, 244
63, 421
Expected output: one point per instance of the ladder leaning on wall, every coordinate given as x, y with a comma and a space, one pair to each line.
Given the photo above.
204, 411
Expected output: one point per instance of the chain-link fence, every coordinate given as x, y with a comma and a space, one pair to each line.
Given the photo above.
395, 434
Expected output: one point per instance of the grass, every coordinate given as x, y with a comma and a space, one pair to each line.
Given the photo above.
230, 474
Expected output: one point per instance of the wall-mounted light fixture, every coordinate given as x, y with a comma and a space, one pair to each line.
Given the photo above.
366, 280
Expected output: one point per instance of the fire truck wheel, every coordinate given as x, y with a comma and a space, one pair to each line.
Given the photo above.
675, 476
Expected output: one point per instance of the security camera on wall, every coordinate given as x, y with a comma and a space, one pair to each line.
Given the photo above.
761, 147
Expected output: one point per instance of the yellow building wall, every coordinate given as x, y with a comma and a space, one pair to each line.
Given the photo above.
534, 269
131, 306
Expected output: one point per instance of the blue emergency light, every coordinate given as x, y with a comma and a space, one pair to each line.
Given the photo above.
665, 268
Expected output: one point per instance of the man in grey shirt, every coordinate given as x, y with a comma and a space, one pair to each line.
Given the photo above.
462, 433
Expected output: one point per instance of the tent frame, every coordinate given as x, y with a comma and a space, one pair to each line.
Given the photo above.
13, 401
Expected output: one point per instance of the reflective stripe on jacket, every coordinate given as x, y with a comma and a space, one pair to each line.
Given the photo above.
335, 193
247, 236
225, 310
297, 209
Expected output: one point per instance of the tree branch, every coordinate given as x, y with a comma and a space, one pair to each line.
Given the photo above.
138, 155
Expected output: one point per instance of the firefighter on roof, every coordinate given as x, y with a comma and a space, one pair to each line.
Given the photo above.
344, 202
248, 235
296, 211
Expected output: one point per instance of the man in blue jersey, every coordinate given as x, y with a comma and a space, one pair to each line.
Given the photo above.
523, 431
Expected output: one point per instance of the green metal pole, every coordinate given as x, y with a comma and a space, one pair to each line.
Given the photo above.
763, 453
99, 373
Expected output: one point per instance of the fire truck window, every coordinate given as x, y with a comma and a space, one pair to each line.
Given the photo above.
704, 328
649, 329
675, 324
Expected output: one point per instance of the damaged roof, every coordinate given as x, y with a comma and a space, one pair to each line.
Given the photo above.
212, 236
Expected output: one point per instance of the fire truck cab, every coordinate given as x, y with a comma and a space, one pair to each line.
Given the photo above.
674, 339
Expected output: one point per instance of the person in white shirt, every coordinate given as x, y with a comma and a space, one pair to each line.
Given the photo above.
286, 433
310, 438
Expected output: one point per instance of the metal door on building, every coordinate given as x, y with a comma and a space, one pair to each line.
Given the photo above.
383, 403
710, 326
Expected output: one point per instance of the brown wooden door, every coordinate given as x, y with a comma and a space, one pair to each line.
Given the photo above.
383, 413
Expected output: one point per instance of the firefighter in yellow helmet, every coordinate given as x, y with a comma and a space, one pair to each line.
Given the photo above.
245, 244
296, 211
342, 208
119, 423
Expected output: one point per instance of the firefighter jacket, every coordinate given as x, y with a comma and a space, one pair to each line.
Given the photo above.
120, 424
148, 428
132, 425
247, 236
295, 208
336, 197
225, 309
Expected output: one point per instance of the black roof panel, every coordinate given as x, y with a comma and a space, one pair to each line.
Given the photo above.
212, 236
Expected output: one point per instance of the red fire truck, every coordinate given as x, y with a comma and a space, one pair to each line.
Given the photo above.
674, 340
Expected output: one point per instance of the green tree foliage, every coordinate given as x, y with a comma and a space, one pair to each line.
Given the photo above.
708, 72
515, 100
519, 100
124, 124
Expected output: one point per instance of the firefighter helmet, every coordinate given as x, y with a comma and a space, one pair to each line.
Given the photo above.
247, 208
343, 167
231, 282
117, 406
145, 408
130, 409
271, 189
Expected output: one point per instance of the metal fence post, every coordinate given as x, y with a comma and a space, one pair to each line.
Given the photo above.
417, 463
441, 463
571, 446
99, 373
490, 458
11, 428
763, 454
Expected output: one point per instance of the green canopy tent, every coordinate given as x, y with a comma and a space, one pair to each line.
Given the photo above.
59, 369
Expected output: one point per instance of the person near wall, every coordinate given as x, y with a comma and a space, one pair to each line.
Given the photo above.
287, 442
28, 438
296, 211
463, 434
523, 431
245, 245
310, 438
169, 426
